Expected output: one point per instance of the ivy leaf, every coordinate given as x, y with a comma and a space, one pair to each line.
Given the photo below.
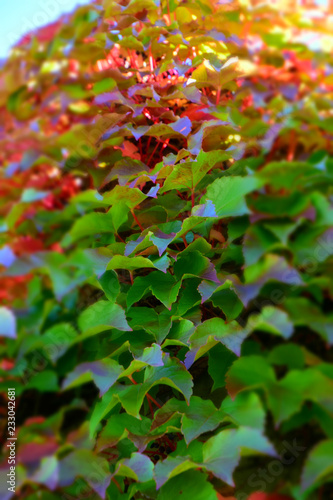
122, 425
110, 285
219, 362
48, 473
151, 355
201, 416
7, 323
249, 372
163, 286
270, 268
188, 174
47, 381
173, 373
138, 467
144, 318
79, 464
212, 331
131, 197
104, 85
272, 320
290, 355
101, 316
31, 194
196, 487
133, 263
305, 313
228, 195
103, 373
170, 468
57, 339
222, 452
246, 409
226, 299
191, 264
318, 465
7, 256
299, 386
88, 225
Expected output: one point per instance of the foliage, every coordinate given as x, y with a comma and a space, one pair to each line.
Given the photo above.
166, 253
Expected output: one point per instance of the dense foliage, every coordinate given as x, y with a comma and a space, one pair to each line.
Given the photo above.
166, 252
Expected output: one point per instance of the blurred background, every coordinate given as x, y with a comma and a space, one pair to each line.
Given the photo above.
24, 16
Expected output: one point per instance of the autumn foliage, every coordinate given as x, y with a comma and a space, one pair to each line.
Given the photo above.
166, 251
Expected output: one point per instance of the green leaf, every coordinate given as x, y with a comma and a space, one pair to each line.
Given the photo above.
144, 318
103, 373
188, 174
163, 286
228, 195
212, 331
101, 316
318, 465
249, 372
138, 467
46, 381
287, 396
171, 467
303, 312
272, 320
110, 285
201, 416
131, 197
245, 409
130, 263
190, 264
122, 425
187, 486
173, 373
89, 224
7, 323
222, 452
219, 362
57, 339
104, 86
228, 302
290, 355
269, 268
30, 194
80, 463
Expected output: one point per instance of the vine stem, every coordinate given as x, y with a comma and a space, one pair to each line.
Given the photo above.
292, 146
137, 220
140, 149
153, 400
218, 95
151, 60
148, 144
117, 484
121, 239
171, 146
168, 9
151, 409
148, 396
152, 155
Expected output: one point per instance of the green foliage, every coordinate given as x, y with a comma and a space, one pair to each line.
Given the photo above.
166, 253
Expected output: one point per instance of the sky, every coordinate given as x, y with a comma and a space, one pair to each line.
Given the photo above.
18, 17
